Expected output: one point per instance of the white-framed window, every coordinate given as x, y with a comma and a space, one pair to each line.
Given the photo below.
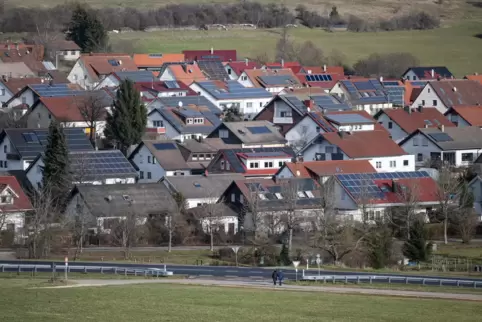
378, 164
419, 157
233, 197
405, 162
415, 141
254, 165
261, 196
158, 123
201, 156
194, 157
278, 195
280, 163
223, 134
149, 175
189, 121
249, 104
310, 194
199, 120
222, 164
244, 78
393, 164
301, 194
268, 164
141, 174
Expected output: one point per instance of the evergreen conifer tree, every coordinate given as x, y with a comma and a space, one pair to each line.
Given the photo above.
127, 123
284, 256
416, 248
86, 30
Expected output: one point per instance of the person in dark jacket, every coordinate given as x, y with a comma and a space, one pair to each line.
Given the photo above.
274, 276
281, 277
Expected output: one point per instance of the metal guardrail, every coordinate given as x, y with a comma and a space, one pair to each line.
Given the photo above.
357, 279
26, 268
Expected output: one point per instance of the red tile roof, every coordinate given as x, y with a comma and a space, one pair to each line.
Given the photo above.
471, 114
410, 122
187, 73
458, 92
150, 60
224, 55
314, 169
364, 144
240, 66
65, 108
98, 64
377, 127
20, 200
16, 84
329, 70
475, 77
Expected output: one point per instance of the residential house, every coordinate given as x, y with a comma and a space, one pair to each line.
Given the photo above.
457, 146
181, 72
427, 73
31, 55
154, 62
475, 186
19, 146
254, 134
87, 111
103, 206
262, 203
314, 123
116, 78
321, 170
222, 55
213, 69
200, 190
231, 94
151, 90
384, 154
285, 111
183, 122
235, 68
368, 94
15, 70
179, 101
32, 92
446, 93
89, 167
198, 154
412, 90
274, 81
63, 50
253, 162
321, 80
11, 86
465, 115
218, 217
14, 204
90, 69
366, 196
402, 122
154, 160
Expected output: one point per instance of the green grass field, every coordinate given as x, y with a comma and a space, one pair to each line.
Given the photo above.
473, 250
455, 47
163, 302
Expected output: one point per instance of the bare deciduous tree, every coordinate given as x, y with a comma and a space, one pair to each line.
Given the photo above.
291, 217
404, 215
447, 187
210, 215
92, 108
464, 217
127, 230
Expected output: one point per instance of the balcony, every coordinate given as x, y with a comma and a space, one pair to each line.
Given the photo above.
283, 120
158, 130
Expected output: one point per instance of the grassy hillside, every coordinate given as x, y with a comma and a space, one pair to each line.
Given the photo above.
455, 47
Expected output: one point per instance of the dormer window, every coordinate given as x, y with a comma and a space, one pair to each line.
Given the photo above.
199, 120
189, 121
194, 157
6, 200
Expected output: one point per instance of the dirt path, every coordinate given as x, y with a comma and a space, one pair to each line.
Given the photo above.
268, 286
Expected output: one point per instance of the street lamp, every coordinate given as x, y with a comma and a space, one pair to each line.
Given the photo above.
235, 250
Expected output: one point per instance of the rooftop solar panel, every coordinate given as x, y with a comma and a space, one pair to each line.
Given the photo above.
171, 84
258, 129
348, 118
364, 86
390, 83
278, 80
98, 165
440, 137
164, 146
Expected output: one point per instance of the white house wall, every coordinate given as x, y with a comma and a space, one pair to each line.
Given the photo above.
11, 164
245, 81
109, 81
78, 75
26, 97
5, 94
420, 149
303, 132
393, 163
457, 119
285, 173
171, 132
396, 131
167, 75
156, 170
427, 98
280, 106
232, 74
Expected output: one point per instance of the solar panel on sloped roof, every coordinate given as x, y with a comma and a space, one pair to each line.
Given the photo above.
258, 129
277, 80
233, 161
364, 86
164, 146
440, 137
348, 118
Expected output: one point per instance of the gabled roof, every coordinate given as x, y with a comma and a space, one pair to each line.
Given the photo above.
104, 64
240, 66
303, 104
363, 144
232, 90
213, 69
135, 76
254, 132
426, 72
196, 101
314, 169
206, 186
370, 91
272, 78
18, 69
150, 90
458, 92
222, 55
471, 114
474, 77
156, 60
63, 44
389, 188
20, 199
412, 119
166, 152
15, 85
186, 73
452, 138
118, 199
322, 80
28, 143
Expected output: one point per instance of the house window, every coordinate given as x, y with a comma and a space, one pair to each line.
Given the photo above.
223, 134
378, 164
5, 164
149, 176
301, 194
24, 100
260, 104
249, 104
423, 102
201, 157
415, 141
233, 197
405, 162
199, 120
285, 114
39, 169
419, 157
428, 90
189, 121
158, 123
317, 129
244, 78
280, 164
222, 164
194, 157
148, 159
228, 166
390, 125
1, 164
3, 91
393, 164
424, 141
309, 194
141, 175
5, 199
153, 160
434, 102
254, 165
268, 164
261, 196
229, 71
467, 157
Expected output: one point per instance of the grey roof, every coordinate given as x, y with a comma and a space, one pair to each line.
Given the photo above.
243, 132
119, 199
232, 90
349, 119
15, 70
284, 80
53, 90
167, 154
188, 100
321, 102
135, 76
422, 72
196, 146
214, 69
28, 143
175, 118
211, 186
462, 138
99, 165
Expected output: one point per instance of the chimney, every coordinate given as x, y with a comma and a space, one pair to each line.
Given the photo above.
309, 104
381, 79
282, 63
246, 61
455, 89
341, 134
212, 50
432, 72
309, 71
442, 128
120, 62
324, 68
420, 108
408, 109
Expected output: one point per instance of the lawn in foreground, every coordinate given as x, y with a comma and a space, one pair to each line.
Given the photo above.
158, 302
455, 47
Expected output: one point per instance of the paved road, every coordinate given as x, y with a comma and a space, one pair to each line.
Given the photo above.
268, 286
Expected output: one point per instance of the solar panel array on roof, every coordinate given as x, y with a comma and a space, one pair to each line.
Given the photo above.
296, 103
396, 95
418, 83
321, 121
348, 118
318, 78
233, 90
189, 100
47, 90
278, 80
98, 165
164, 146
390, 83
349, 86
233, 161
171, 84
266, 154
376, 84
214, 69
440, 137
329, 102
363, 186
258, 129
364, 86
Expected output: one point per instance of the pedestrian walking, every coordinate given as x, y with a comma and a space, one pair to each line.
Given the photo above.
281, 277
274, 276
